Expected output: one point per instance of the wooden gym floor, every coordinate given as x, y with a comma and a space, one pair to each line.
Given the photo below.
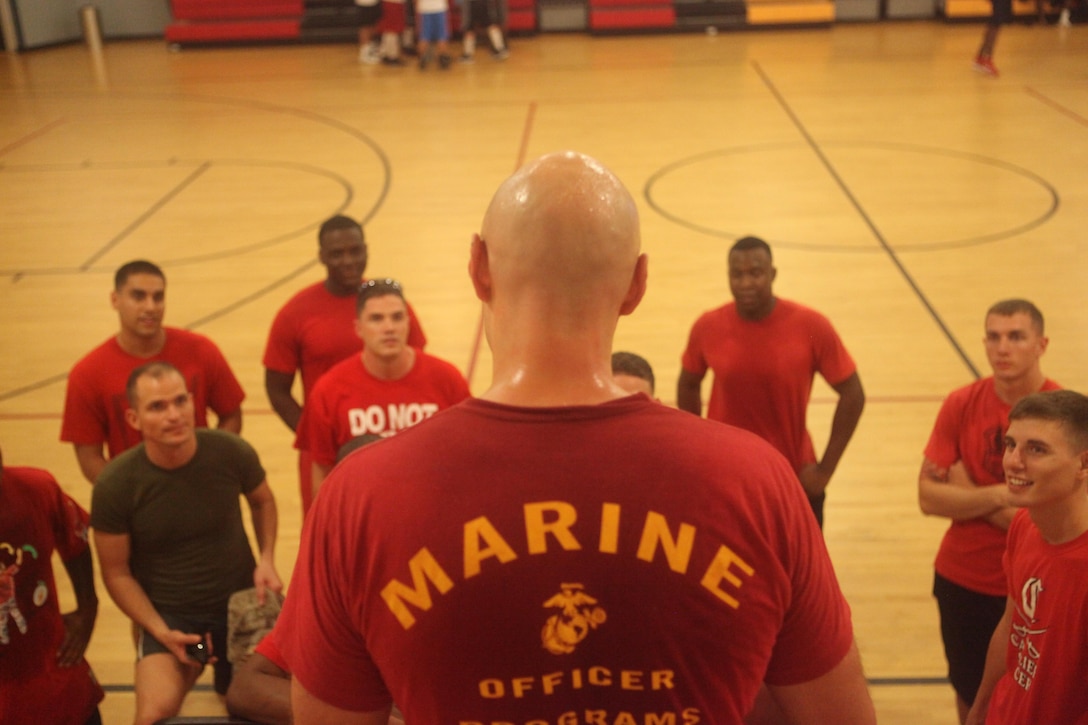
902, 194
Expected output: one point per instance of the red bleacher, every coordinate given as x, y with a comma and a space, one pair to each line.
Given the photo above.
197, 21
614, 15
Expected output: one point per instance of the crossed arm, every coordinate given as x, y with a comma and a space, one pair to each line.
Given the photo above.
951, 493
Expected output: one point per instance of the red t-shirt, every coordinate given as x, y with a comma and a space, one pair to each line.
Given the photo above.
1046, 678
95, 403
971, 427
763, 371
503, 564
36, 519
315, 330
270, 649
348, 402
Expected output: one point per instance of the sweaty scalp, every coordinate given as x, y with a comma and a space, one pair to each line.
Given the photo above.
561, 220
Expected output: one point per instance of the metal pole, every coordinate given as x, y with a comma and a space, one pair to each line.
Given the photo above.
92, 33
7, 27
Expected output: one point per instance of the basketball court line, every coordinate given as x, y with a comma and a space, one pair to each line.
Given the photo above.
33, 135
519, 161
1048, 101
841, 183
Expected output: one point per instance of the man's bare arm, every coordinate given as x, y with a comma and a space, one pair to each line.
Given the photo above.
844, 422
260, 691
262, 508
90, 459
278, 387
689, 394
232, 422
309, 710
956, 497
130, 597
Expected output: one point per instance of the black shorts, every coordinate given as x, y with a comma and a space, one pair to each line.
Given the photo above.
368, 15
968, 620
1002, 12
148, 645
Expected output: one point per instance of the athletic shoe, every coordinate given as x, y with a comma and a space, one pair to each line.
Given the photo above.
444, 61
467, 59
1063, 19
425, 60
369, 56
398, 62
986, 65
501, 54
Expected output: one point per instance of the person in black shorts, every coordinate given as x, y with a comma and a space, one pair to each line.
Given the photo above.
1000, 14
367, 15
489, 15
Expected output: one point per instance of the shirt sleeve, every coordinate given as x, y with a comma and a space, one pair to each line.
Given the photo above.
817, 630
70, 522
943, 445
833, 361
281, 352
316, 632
83, 422
225, 394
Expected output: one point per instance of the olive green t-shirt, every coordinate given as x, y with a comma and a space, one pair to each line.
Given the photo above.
189, 547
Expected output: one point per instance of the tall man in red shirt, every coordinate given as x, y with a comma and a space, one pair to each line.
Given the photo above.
95, 403
764, 352
388, 387
962, 479
315, 329
533, 555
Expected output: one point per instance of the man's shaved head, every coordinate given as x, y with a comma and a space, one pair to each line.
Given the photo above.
563, 222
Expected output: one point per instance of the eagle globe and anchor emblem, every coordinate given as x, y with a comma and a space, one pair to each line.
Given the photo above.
577, 615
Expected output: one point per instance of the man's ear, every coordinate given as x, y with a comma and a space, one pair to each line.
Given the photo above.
637, 287
132, 418
479, 268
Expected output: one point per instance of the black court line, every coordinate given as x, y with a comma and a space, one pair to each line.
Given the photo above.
1047, 100
31, 136
519, 161
865, 217
151, 211
354, 133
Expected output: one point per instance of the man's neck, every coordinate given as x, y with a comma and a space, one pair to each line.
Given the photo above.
757, 315
1063, 521
390, 369
338, 290
171, 457
552, 371
138, 346
1011, 391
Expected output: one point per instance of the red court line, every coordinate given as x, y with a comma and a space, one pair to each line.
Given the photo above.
474, 355
31, 136
1056, 106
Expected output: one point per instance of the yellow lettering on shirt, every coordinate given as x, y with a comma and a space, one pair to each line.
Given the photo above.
482, 541
656, 533
719, 570
550, 517
423, 569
